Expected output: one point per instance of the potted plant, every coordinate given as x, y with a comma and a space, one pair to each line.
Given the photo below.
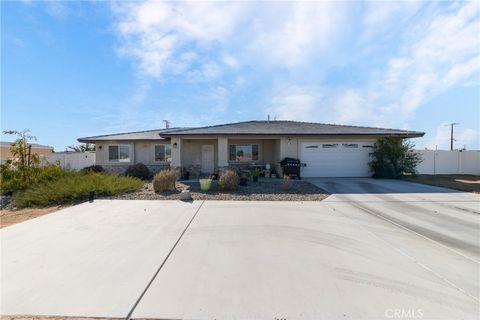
205, 184
256, 173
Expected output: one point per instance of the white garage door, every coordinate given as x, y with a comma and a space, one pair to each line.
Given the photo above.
335, 159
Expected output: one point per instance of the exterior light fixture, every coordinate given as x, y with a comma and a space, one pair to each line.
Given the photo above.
175, 145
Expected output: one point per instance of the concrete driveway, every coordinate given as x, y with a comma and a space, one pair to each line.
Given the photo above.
411, 252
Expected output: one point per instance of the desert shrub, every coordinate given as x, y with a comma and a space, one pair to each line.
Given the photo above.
393, 157
74, 187
12, 179
94, 168
50, 172
139, 171
164, 181
228, 181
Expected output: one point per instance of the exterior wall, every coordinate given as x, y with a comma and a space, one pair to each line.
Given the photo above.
140, 152
191, 155
449, 162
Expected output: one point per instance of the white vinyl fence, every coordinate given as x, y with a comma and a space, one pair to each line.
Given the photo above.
73, 160
449, 162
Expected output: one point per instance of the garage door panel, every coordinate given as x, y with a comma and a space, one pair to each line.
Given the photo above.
335, 159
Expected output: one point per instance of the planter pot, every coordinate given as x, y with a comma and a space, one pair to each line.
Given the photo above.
255, 178
205, 184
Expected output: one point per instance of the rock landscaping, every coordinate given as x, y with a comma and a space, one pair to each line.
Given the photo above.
264, 190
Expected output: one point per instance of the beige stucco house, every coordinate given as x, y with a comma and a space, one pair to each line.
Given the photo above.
328, 150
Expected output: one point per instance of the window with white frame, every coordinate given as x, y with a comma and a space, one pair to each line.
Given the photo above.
243, 152
119, 153
163, 152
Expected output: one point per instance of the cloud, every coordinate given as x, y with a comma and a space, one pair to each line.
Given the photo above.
155, 33
294, 103
56, 9
439, 52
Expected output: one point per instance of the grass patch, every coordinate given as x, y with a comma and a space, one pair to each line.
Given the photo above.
75, 187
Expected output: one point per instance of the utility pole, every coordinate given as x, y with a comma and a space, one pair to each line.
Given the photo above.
451, 133
167, 124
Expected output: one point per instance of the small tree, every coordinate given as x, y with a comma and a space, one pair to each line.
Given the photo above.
22, 168
82, 147
393, 157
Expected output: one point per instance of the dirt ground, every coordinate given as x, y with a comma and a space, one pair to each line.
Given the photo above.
11, 216
52, 318
468, 183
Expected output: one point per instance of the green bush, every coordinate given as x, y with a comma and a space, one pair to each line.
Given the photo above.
74, 187
228, 181
94, 168
164, 181
139, 171
11, 180
392, 158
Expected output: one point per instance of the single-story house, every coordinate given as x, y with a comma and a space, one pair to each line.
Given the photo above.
328, 150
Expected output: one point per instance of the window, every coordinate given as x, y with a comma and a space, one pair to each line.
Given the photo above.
350, 145
243, 152
163, 152
311, 147
119, 153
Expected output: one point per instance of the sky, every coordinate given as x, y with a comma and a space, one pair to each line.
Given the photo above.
71, 69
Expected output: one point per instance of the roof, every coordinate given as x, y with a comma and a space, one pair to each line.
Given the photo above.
34, 145
135, 135
291, 128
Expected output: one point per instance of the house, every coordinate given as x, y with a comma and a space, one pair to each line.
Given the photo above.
328, 150
41, 150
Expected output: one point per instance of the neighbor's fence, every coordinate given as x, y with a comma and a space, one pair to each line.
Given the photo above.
72, 160
449, 162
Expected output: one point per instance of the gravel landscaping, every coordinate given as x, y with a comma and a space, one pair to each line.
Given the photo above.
264, 190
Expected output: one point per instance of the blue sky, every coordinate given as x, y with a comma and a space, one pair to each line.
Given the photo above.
71, 69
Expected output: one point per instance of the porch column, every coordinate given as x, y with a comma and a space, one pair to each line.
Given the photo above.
176, 152
222, 152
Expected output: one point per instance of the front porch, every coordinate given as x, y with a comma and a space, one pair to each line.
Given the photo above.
205, 156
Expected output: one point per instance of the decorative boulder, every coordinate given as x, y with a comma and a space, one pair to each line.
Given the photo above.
185, 195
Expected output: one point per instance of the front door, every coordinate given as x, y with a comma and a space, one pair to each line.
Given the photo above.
207, 158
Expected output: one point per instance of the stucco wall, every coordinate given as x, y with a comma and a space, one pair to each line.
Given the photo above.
192, 151
140, 152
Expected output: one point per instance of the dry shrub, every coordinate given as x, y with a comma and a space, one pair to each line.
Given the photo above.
164, 181
286, 183
228, 181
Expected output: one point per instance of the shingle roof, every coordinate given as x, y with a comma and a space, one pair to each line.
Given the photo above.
135, 135
289, 128
34, 145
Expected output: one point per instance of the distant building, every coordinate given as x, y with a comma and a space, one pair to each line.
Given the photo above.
41, 150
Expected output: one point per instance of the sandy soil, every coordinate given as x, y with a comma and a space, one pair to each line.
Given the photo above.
12, 216
468, 183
